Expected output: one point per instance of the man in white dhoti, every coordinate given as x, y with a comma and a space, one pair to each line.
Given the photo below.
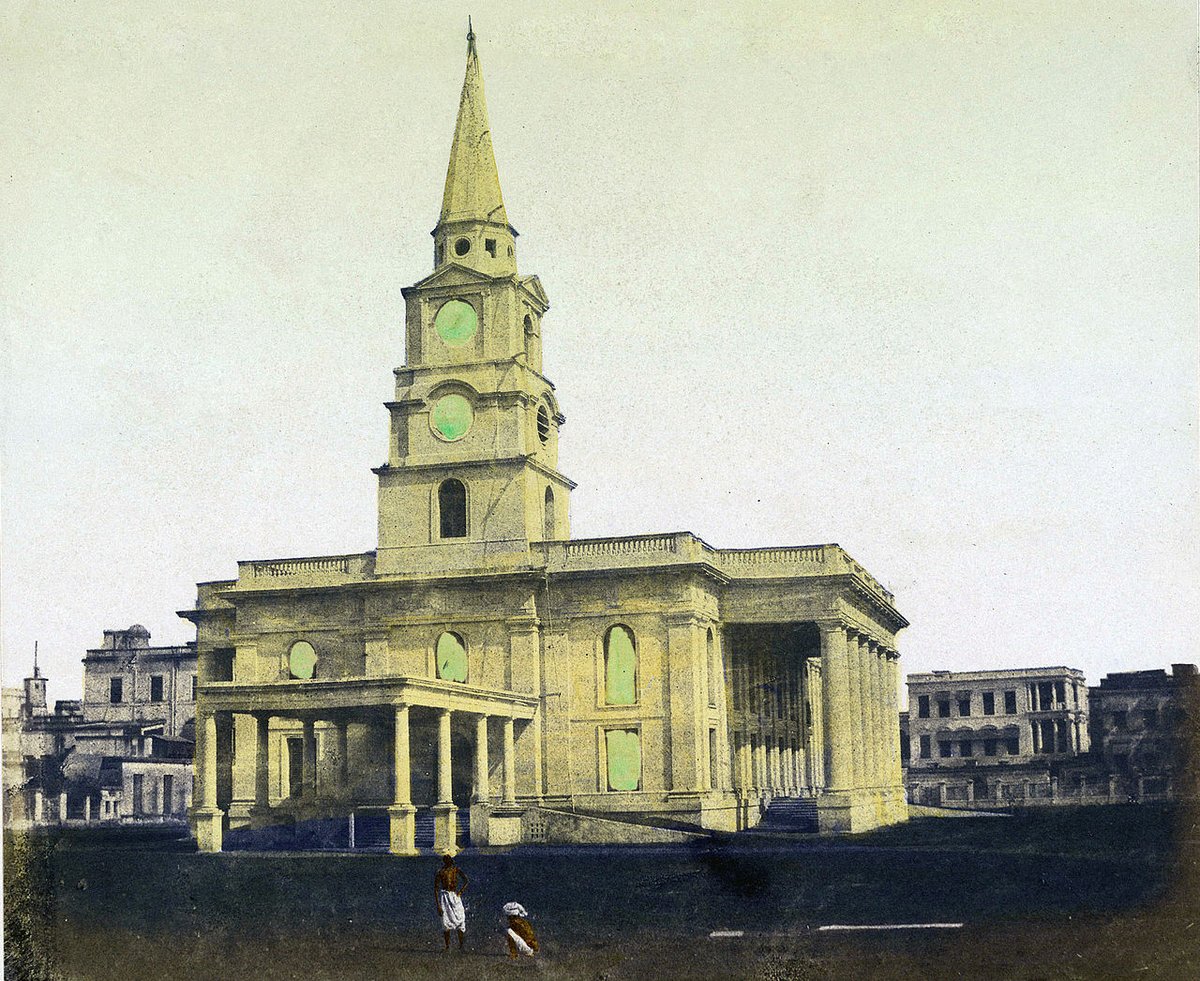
448, 886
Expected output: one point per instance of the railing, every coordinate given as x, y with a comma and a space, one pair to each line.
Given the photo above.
335, 567
299, 567
768, 556
652, 544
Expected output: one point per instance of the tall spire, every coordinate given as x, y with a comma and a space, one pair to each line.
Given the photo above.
472, 182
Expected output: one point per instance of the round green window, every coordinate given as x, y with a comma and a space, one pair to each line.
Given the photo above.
302, 660
452, 417
456, 322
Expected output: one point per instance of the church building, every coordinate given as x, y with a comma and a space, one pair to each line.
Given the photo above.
481, 675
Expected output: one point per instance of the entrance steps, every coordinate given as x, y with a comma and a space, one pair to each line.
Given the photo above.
424, 828
791, 814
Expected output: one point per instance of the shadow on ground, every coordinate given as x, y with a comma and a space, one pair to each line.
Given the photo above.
1092, 892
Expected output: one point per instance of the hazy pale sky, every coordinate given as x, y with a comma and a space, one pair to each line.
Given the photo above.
916, 278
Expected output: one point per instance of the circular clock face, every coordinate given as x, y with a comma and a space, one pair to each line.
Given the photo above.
452, 417
456, 322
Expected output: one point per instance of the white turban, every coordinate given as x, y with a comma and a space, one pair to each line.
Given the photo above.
514, 909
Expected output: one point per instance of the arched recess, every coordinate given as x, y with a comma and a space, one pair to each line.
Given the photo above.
620, 666
549, 523
452, 509
302, 661
450, 655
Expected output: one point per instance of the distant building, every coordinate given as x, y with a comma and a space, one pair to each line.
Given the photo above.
123, 753
992, 736
1141, 724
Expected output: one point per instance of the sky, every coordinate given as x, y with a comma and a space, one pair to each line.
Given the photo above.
919, 279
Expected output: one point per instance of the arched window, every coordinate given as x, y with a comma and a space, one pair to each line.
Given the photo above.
548, 531
620, 667
302, 660
452, 508
543, 424
451, 656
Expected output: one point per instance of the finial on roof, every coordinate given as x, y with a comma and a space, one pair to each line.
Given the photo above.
35, 666
470, 35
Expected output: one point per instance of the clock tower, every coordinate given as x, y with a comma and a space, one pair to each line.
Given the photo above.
472, 473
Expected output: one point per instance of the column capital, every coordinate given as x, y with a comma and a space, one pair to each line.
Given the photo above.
832, 624
687, 618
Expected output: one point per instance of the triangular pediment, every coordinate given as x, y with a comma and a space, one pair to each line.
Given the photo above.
451, 274
533, 286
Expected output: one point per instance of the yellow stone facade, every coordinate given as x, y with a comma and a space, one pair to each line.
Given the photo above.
483, 671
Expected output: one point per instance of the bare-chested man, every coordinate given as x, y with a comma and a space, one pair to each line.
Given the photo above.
448, 886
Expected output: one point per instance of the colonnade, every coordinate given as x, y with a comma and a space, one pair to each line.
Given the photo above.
208, 817
775, 748
862, 743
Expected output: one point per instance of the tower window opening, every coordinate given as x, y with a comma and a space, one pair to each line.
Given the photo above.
452, 509
489, 245
528, 324
510, 251
439, 253
543, 424
462, 246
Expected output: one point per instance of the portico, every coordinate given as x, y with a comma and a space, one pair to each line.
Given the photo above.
325, 789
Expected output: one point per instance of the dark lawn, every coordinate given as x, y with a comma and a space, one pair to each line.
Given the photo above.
1095, 892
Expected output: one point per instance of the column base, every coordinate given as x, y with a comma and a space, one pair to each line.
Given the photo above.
480, 822
445, 829
240, 814
207, 825
402, 829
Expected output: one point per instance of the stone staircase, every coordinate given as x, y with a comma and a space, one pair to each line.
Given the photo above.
791, 814
424, 828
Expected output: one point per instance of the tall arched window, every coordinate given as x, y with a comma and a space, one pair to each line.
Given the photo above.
620, 667
451, 656
548, 531
452, 508
302, 660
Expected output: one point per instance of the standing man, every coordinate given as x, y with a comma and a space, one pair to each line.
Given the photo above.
448, 886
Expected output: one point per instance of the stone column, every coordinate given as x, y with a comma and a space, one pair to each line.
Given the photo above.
481, 798
445, 814
87, 809
207, 818
402, 829
834, 806
262, 769
685, 691
481, 793
509, 797
525, 653
310, 760
341, 750
62, 807
242, 764
38, 805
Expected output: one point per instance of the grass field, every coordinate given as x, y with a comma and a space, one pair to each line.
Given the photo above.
1071, 893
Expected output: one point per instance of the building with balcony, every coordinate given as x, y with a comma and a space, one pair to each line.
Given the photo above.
993, 736
482, 674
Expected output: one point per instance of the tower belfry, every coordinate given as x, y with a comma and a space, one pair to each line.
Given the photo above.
472, 473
